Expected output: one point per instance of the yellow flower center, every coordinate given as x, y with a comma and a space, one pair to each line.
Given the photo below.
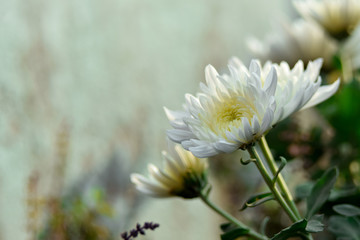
227, 114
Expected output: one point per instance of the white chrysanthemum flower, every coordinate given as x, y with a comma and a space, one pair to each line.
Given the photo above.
183, 175
233, 111
338, 17
293, 41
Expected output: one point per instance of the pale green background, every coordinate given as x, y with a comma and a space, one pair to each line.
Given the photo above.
105, 69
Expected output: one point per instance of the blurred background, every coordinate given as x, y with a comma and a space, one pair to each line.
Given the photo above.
82, 86
82, 90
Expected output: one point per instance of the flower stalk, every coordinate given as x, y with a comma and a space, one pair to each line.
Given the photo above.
268, 179
279, 180
252, 233
289, 200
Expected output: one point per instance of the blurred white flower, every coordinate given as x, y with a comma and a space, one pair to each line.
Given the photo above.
233, 111
183, 175
350, 52
293, 41
338, 17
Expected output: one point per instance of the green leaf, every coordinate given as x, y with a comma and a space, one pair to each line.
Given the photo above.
263, 225
321, 191
341, 194
258, 199
303, 190
347, 210
314, 226
297, 229
336, 61
282, 165
234, 233
345, 227
225, 227
318, 217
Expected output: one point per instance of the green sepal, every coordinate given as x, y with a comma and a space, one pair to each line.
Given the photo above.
243, 162
258, 199
321, 191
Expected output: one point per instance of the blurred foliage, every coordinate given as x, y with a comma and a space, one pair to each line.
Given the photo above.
333, 140
342, 112
73, 219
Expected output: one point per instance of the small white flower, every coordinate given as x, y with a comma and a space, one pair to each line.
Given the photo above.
338, 17
183, 175
293, 41
233, 111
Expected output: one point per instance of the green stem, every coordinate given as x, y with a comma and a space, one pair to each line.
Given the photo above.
233, 220
280, 180
260, 165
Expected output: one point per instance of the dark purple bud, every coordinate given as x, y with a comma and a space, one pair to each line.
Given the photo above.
124, 235
147, 225
153, 226
139, 229
133, 233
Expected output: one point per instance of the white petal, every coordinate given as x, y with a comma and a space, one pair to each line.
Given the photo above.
267, 120
323, 93
204, 151
174, 115
231, 136
255, 67
298, 68
182, 157
225, 146
313, 68
294, 104
159, 193
176, 118
160, 176
141, 182
210, 77
178, 135
255, 124
271, 82
237, 63
247, 129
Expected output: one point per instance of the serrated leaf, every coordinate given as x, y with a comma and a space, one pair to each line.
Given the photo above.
345, 227
297, 229
234, 233
258, 199
347, 210
321, 191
